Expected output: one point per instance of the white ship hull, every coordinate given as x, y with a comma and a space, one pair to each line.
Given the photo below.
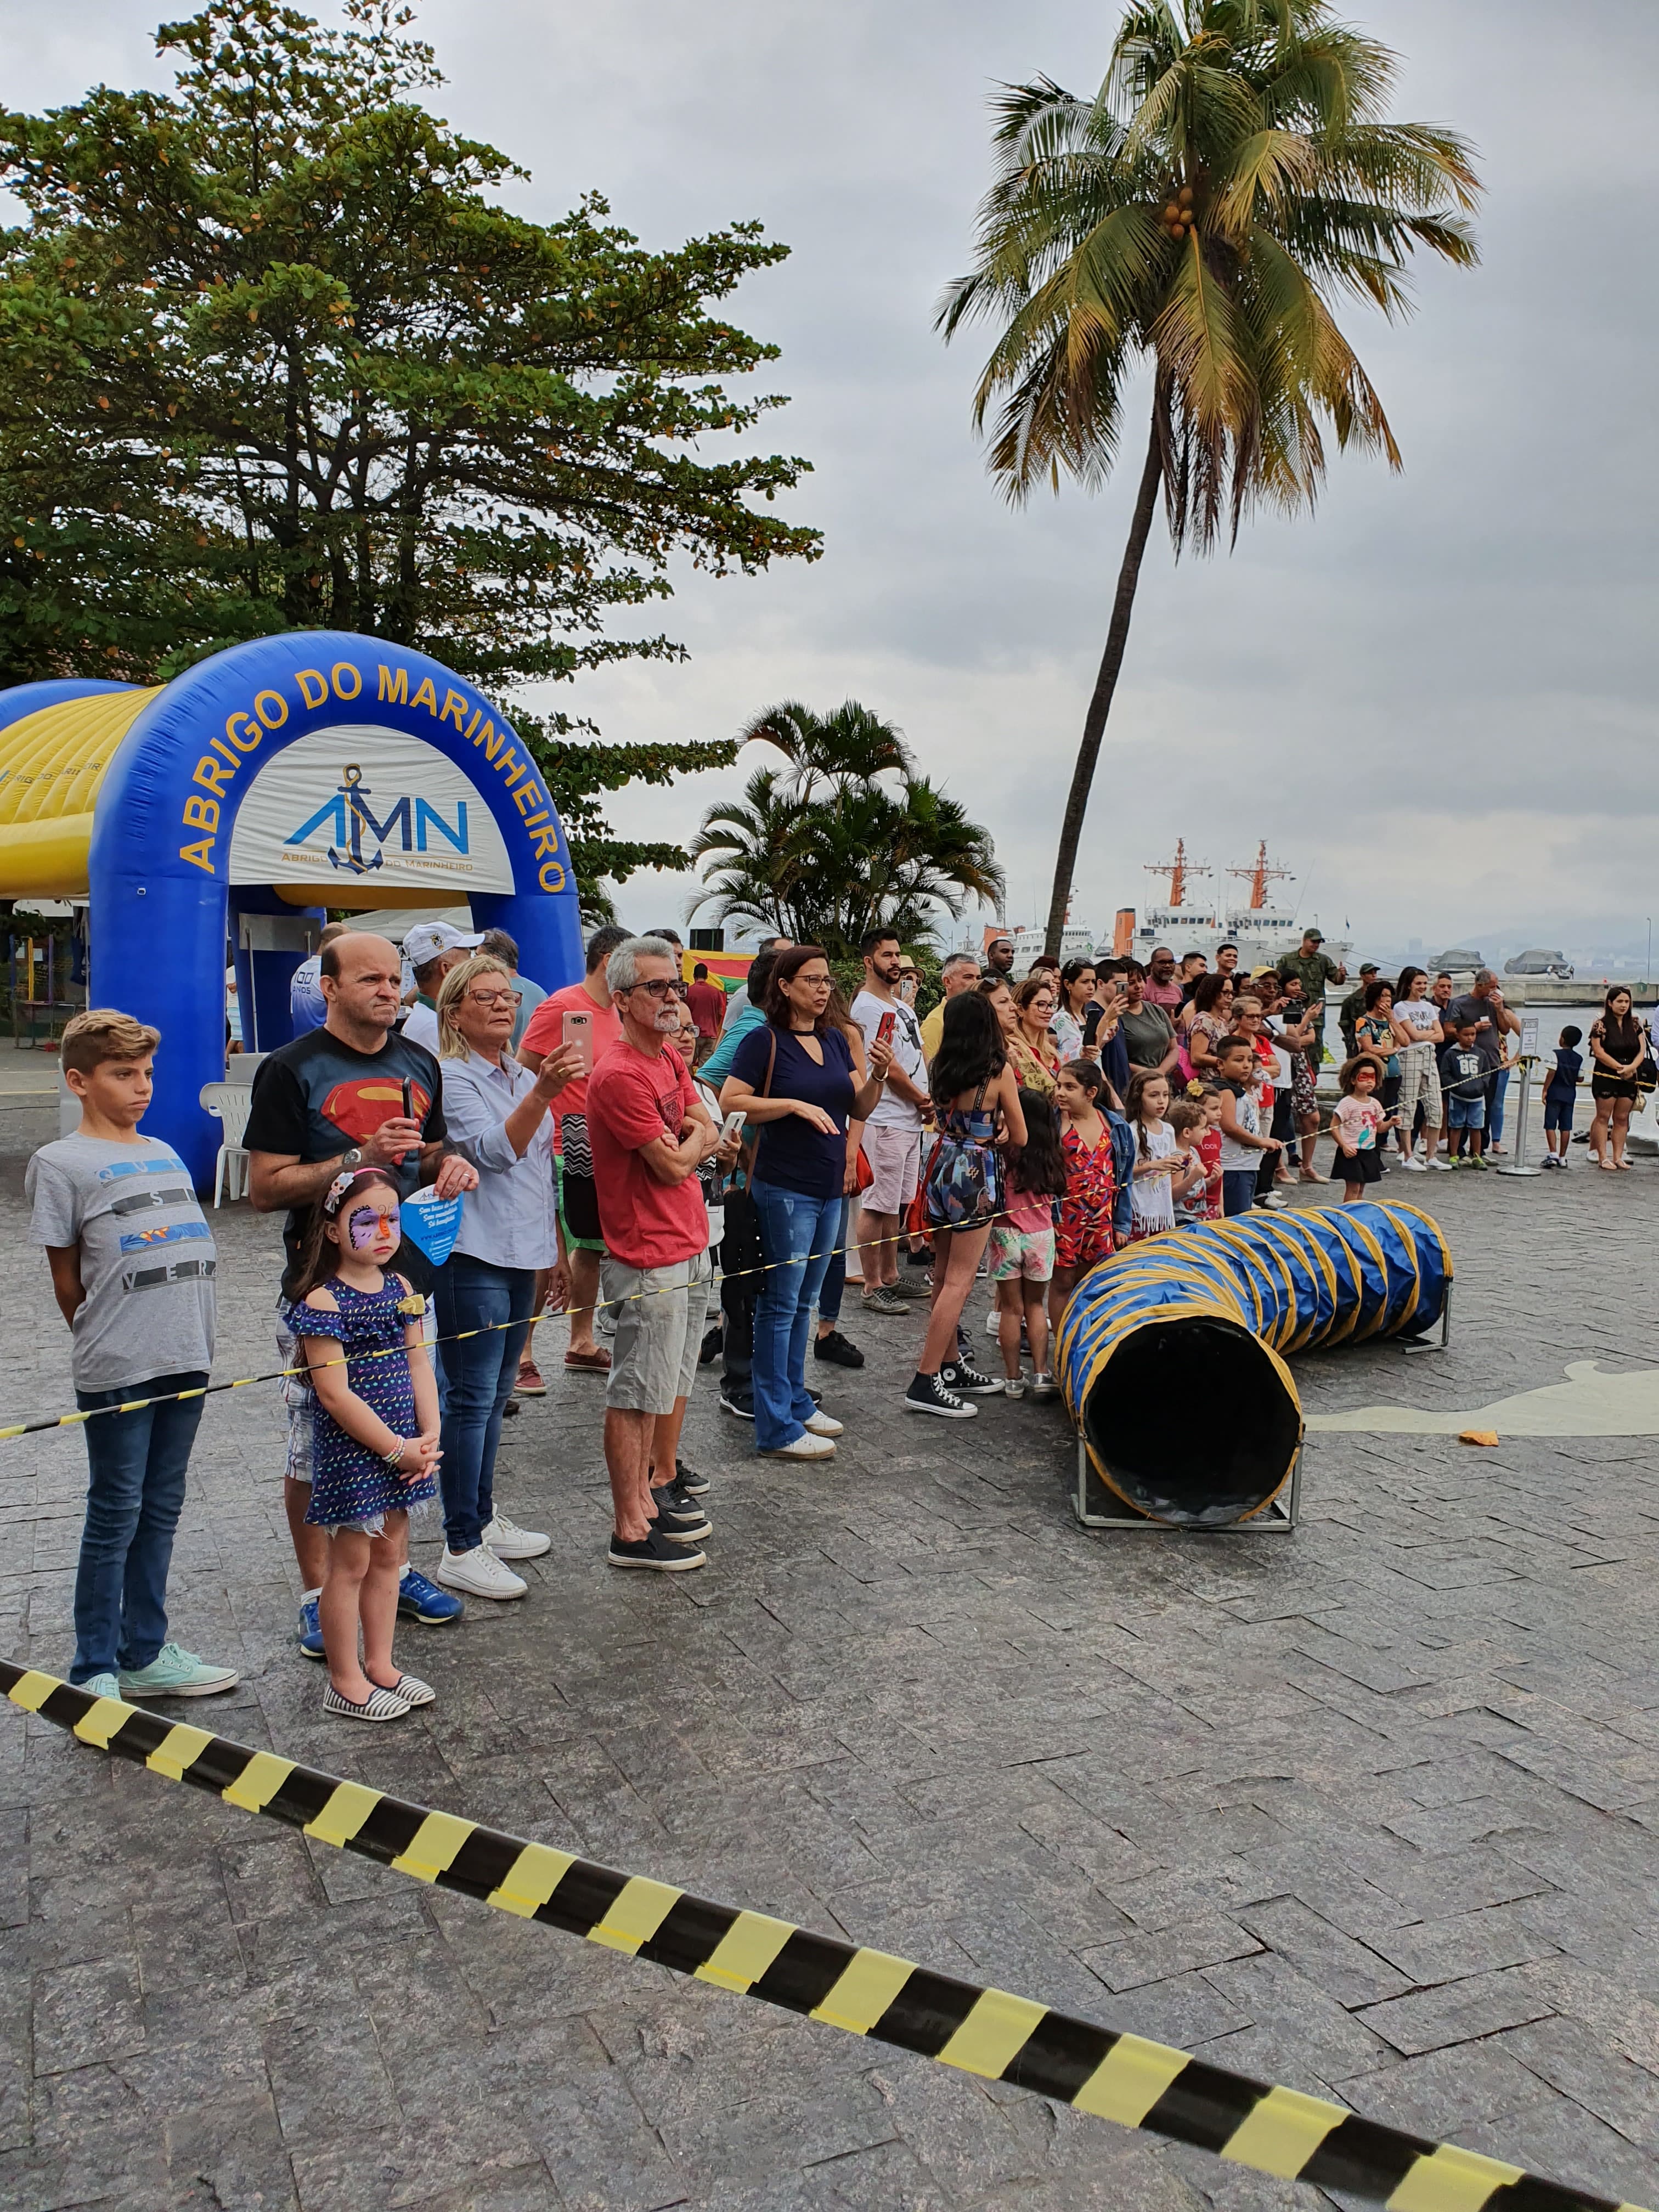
1262, 937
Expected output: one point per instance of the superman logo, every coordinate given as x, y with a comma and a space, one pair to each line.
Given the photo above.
359, 1107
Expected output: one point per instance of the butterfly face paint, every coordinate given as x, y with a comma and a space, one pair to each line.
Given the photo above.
367, 1225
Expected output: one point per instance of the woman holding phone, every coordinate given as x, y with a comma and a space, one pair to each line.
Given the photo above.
508, 1233
793, 1079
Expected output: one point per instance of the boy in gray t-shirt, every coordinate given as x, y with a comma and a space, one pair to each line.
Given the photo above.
133, 1269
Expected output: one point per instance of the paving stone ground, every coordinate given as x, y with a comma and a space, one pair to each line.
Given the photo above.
1372, 1810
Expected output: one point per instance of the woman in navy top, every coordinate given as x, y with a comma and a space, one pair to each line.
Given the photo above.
792, 1079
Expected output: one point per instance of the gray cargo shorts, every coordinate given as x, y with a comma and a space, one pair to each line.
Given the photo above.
653, 1359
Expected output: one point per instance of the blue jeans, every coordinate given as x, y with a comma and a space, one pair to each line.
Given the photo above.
791, 1224
833, 1288
1500, 1084
479, 1373
135, 1494
1237, 1191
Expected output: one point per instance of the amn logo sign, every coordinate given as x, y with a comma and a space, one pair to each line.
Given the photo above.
368, 803
351, 822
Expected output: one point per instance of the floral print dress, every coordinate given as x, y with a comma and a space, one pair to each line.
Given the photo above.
352, 1487
1085, 1212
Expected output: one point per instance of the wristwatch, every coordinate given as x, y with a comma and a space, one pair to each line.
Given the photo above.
352, 1159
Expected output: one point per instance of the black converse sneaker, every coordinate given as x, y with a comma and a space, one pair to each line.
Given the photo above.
927, 1395
967, 1382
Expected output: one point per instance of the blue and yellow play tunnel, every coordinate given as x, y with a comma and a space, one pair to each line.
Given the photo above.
1172, 1353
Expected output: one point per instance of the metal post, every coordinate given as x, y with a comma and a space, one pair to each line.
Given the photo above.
1518, 1166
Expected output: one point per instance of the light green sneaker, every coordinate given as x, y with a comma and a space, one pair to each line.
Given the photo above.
176, 1672
101, 1685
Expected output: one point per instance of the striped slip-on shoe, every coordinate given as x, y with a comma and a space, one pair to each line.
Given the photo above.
378, 1705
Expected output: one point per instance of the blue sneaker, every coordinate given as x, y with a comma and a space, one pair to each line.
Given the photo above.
422, 1601
310, 1631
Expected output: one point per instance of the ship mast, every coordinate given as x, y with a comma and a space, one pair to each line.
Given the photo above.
1178, 871
1260, 875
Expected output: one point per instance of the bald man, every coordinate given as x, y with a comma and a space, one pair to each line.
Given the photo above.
329, 1102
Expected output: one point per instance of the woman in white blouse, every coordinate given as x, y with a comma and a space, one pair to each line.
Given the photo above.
497, 1111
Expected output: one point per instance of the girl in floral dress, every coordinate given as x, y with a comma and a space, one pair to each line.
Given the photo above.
1085, 1233
376, 1442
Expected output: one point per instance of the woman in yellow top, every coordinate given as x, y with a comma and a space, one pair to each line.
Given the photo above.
1031, 1051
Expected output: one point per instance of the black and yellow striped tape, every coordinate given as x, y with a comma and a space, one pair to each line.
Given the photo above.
985, 2031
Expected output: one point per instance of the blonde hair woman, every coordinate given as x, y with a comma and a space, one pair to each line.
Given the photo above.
509, 1237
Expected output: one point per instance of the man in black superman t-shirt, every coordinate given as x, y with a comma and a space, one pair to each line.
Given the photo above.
331, 1101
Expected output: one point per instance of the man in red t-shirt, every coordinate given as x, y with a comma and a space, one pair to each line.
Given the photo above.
649, 1133
579, 1217
708, 1003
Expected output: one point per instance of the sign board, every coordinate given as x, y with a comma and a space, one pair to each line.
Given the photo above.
369, 805
1528, 1037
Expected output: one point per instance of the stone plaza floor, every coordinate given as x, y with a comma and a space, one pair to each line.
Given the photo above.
1371, 1810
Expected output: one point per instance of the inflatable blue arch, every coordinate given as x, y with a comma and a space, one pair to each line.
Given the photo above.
316, 770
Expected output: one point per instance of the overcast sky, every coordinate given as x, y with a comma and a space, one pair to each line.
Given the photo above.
1435, 699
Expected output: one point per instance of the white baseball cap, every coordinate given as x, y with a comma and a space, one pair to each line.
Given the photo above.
429, 939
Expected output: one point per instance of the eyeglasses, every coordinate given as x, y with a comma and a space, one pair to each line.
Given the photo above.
660, 989
491, 998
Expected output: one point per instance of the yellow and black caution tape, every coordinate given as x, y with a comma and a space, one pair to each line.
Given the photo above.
75, 1420
987, 2031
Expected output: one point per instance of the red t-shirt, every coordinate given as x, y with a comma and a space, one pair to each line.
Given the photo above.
545, 1033
632, 1099
707, 1005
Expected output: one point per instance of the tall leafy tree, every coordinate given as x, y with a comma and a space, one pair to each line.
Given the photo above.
846, 837
274, 355
1198, 221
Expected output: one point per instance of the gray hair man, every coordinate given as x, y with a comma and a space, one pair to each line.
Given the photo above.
649, 1133
960, 973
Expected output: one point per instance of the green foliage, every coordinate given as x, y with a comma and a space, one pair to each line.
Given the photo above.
826, 849
1231, 183
273, 356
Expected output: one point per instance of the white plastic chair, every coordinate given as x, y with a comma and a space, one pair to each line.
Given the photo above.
229, 1104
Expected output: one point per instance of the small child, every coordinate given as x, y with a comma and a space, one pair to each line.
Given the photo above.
1561, 1096
1241, 1124
1189, 1119
1463, 1077
375, 1446
132, 1267
1084, 1236
1357, 1124
1020, 1254
1162, 1173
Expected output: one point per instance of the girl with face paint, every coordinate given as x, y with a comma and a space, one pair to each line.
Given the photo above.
376, 1452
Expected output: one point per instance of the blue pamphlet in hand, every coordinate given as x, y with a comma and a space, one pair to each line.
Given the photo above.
432, 1223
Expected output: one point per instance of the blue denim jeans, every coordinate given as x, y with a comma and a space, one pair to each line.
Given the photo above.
791, 1224
479, 1373
1237, 1191
833, 1288
135, 1494
1500, 1084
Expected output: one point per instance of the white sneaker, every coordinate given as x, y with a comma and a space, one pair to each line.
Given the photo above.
479, 1573
824, 1425
508, 1541
1439, 1162
803, 1447
1415, 1166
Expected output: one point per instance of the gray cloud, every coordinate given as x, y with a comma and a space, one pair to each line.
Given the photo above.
1435, 699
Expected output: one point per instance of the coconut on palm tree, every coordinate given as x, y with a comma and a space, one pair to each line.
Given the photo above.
1203, 216
849, 837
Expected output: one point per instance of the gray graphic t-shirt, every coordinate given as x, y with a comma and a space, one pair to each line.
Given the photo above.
147, 1257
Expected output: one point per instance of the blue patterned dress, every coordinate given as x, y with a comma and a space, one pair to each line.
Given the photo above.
352, 1487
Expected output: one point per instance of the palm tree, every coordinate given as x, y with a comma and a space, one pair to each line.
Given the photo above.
1232, 181
827, 848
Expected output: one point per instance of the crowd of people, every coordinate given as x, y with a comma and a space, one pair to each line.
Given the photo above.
615, 1143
